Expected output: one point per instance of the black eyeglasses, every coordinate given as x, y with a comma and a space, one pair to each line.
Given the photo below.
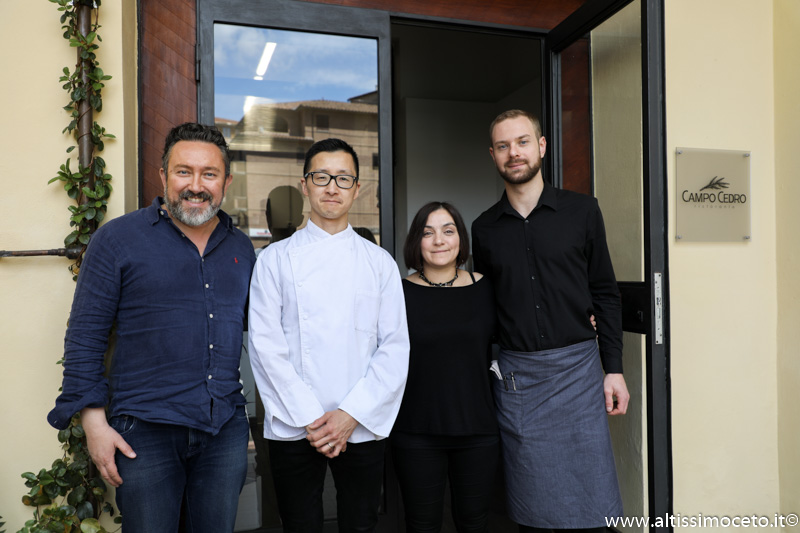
343, 181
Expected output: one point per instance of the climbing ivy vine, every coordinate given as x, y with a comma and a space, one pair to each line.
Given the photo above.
69, 496
89, 185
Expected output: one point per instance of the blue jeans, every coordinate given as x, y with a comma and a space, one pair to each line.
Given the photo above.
176, 466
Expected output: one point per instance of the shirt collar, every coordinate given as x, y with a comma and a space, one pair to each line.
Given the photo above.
548, 198
157, 210
319, 233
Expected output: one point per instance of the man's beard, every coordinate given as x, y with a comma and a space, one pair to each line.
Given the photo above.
191, 216
525, 177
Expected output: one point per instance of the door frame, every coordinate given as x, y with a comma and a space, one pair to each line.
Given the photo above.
650, 298
317, 18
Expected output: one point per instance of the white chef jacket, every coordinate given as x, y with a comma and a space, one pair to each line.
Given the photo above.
327, 330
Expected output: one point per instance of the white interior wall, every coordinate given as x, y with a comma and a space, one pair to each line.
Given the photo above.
447, 159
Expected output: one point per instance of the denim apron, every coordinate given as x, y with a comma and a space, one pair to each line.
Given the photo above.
557, 455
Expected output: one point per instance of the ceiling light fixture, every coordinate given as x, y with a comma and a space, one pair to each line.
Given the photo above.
266, 57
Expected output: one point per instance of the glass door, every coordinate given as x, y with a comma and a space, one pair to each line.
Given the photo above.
604, 115
276, 92
275, 77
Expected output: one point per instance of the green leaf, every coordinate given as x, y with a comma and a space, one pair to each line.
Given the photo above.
71, 148
84, 239
86, 511
90, 525
90, 213
52, 490
63, 435
77, 496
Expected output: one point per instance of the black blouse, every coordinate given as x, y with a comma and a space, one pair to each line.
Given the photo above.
448, 390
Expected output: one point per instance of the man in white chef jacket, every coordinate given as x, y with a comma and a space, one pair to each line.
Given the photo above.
329, 349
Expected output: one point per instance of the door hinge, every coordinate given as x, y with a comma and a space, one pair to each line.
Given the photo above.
659, 308
197, 62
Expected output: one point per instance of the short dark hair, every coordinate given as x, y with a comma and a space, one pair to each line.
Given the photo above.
412, 250
514, 113
329, 145
192, 131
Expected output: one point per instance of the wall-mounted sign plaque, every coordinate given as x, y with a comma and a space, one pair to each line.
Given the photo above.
713, 195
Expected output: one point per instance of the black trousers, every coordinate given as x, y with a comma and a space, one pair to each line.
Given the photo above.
424, 468
298, 470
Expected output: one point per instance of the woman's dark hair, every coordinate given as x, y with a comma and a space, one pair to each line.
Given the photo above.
412, 250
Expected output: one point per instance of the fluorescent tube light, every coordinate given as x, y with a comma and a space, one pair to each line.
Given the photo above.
269, 48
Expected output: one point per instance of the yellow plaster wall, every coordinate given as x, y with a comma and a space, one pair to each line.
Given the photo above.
719, 94
787, 177
37, 292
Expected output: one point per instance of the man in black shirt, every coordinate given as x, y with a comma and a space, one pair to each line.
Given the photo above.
545, 251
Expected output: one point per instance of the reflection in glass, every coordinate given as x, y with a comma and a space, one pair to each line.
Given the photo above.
276, 93
602, 155
616, 66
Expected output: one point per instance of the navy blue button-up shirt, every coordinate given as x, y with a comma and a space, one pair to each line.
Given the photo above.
177, 319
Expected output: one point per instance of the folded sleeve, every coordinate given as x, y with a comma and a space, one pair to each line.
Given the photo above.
94, 310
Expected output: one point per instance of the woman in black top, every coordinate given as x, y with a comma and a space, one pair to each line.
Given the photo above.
446, 428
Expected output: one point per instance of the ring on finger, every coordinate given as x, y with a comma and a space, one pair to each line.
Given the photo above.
331, 445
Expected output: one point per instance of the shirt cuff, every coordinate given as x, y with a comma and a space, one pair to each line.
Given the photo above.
64, 410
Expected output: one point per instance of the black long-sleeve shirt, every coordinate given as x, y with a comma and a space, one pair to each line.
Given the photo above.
449, 390
551, 271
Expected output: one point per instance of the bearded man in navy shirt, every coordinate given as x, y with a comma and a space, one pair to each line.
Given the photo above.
168, 426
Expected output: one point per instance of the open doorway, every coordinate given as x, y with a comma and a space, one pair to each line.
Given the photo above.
449, 82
